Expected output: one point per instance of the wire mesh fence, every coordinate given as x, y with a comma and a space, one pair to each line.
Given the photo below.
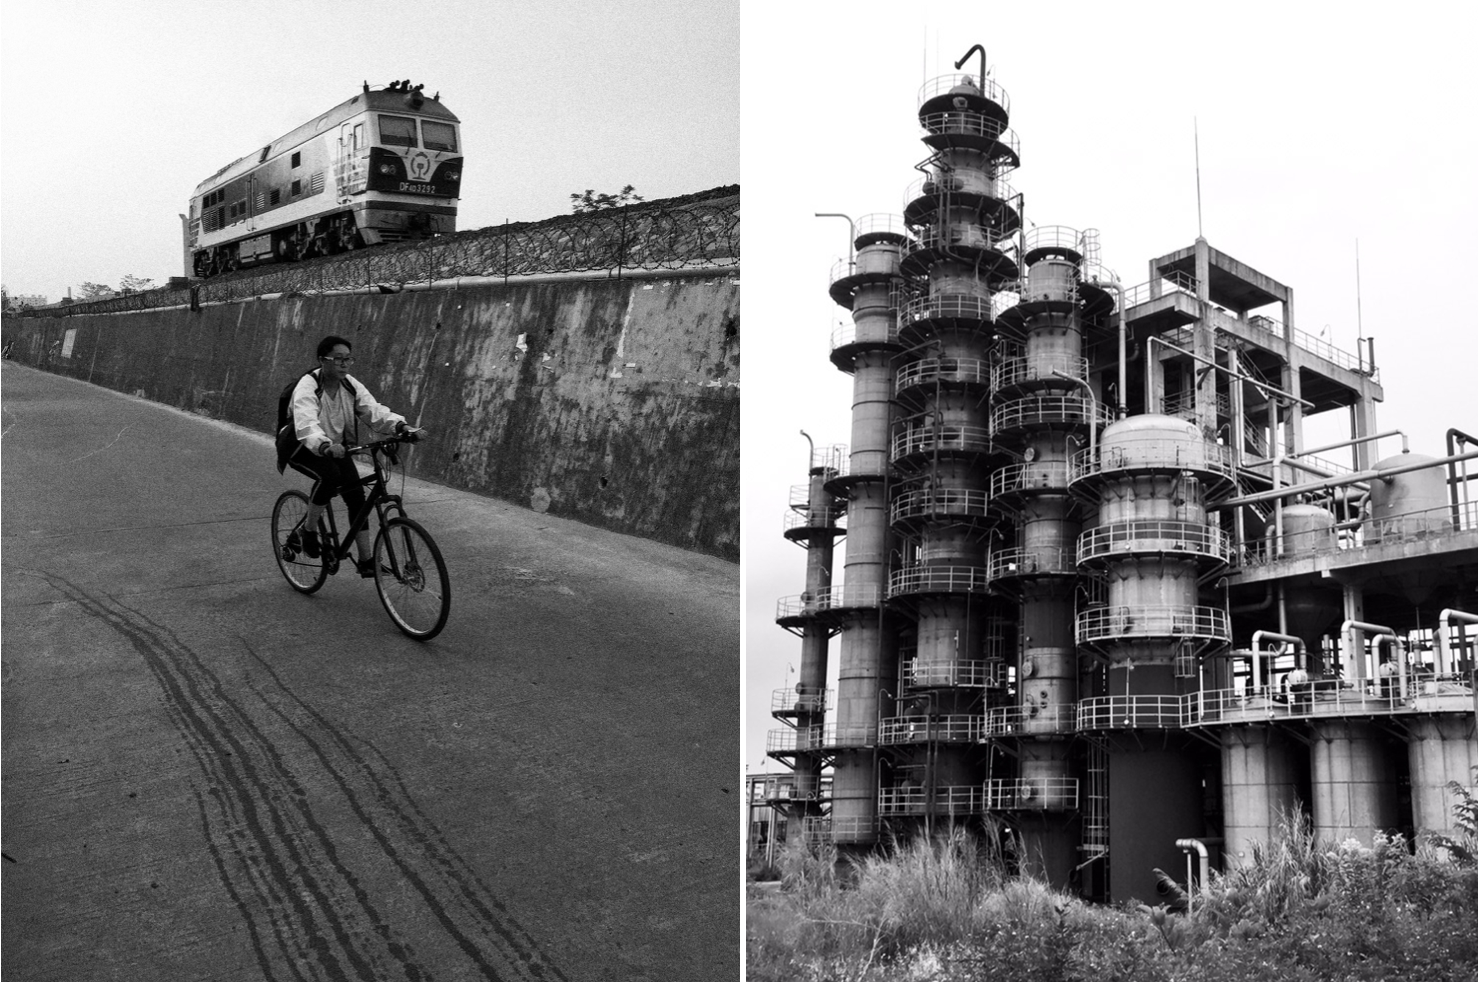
698, 230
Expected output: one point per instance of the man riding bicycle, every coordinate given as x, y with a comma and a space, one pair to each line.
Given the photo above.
325, 404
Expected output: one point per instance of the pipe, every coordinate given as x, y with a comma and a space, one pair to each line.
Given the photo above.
851, 237
1257, 383
966, 57
1347, 638
1445, 661
1118, 288
1257, 637
1456, 436
1334, 482
1187, 845
1092, 413
1405, 446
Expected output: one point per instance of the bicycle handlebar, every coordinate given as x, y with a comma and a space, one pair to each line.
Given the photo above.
374, 445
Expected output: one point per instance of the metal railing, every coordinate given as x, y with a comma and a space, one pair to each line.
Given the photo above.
1057, 238
940, 503
878, 331
1031, 561
937, 579
959, 728
1047, 410
946, 306
953, 799
1131, 713
989, 673
1049, 475
829, 518
1177, 455
1173, 282
1156, 536
955, 235
1424, 525
1031, 794
942, 186
696, 230
799, 699
1100, 624
944, 84
1424, 693
839, 596
915, 438
927, 371
1014, 371
974, 125
1003, 721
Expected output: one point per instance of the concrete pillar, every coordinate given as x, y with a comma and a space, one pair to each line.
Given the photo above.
1354, 784
1441, 749
1259, 785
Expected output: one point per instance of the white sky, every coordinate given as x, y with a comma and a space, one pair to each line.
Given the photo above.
1319, 124
111, 112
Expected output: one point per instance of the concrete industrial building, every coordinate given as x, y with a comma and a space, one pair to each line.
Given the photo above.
1095, 585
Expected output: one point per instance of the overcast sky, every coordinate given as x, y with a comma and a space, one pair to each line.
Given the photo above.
111, 112
1319, 124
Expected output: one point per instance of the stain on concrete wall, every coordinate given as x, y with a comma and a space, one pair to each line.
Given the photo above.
612, 402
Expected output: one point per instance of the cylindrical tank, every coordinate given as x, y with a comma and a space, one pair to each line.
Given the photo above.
1307, 529
1051, 280
1411, 503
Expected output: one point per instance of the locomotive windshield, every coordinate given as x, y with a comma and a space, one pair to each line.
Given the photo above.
438, 136
397, 131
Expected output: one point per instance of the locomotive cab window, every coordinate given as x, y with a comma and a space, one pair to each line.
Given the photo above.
438, 136
397, 131
297, 159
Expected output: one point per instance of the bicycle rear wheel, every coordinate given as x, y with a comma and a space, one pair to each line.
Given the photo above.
302, 572
412, 579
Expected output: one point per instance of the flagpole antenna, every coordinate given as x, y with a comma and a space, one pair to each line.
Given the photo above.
1196, 130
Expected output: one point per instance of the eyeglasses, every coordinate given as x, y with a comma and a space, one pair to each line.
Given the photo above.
340, 359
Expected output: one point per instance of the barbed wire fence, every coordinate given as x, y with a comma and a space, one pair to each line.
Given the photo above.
694, 231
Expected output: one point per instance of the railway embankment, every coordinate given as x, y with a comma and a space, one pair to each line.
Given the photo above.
611, 400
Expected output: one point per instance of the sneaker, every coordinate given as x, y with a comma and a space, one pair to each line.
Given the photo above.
367, 569
310, 545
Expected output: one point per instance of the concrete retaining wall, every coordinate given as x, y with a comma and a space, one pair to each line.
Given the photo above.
612, 402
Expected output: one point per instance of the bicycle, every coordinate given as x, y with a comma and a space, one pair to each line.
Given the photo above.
410, 575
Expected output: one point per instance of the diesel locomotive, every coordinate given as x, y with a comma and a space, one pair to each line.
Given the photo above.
385, 166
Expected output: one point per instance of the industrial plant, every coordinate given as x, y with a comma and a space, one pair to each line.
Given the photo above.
1096, 593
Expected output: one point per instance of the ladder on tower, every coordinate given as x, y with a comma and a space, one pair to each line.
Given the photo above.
1095, 816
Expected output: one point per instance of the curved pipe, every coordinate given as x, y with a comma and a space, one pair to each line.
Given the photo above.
1456, 437
851, 235
1092, 413
1257, 637
1445, 661
1186, 845
966, 57
1347, 638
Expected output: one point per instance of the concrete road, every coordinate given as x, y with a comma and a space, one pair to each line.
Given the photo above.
209, 776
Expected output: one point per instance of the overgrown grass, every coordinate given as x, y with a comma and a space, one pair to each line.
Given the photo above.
947, 911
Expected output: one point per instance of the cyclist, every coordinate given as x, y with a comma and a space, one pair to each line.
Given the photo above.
328, 404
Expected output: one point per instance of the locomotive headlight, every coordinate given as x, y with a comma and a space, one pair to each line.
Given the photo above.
387, 169
453, 175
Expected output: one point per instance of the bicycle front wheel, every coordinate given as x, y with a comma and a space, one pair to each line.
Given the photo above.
304, 573
412, 579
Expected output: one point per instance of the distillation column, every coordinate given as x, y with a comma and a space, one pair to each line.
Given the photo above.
869, 288
1042, 406
1153, 543
812, 523
963, 216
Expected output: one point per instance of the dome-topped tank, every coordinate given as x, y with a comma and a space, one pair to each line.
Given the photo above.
1153, 442
1307, 529
1411, 504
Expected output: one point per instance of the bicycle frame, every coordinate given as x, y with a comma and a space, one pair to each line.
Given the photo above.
378, 500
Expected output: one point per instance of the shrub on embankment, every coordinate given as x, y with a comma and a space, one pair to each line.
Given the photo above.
947, 911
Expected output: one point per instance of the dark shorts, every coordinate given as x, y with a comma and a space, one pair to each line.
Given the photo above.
331, 476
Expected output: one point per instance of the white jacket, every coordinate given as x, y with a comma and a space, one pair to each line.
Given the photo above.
310, 414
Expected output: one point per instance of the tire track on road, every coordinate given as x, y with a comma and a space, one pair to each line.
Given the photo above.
319, 903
